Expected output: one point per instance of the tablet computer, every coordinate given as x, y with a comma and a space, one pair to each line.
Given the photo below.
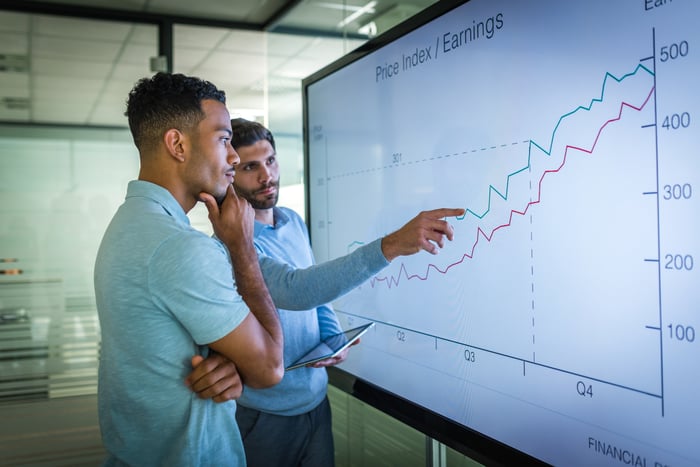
331, 346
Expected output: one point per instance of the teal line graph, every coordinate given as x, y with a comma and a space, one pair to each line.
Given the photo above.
548, 152
492, 189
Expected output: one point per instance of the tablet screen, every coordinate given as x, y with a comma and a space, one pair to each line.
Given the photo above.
331, 346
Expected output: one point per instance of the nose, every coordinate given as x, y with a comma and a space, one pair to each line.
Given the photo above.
265, 173
233, 158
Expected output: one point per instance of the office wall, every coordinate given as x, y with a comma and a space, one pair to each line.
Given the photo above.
58, 190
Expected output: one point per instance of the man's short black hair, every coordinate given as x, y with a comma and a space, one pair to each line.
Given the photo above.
166, 101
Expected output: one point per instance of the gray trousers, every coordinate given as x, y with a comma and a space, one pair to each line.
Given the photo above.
304, 440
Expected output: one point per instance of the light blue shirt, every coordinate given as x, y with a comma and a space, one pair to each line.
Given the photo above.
164, 290
302, 389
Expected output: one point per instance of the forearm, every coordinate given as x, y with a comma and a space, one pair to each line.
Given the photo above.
251, 286
303, 289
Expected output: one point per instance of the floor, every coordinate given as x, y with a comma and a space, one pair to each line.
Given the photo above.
63, 431
50, 432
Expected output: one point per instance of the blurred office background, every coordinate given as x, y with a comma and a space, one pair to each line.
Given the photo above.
66, 156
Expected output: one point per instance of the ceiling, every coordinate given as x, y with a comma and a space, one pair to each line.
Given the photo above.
72, 62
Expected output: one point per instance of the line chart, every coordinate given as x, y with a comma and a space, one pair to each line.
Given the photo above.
394, 280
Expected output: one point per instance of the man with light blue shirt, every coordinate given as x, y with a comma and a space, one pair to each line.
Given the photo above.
158, 302
290, 423
165, 291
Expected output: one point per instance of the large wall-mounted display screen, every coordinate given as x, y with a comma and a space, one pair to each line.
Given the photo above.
564, 318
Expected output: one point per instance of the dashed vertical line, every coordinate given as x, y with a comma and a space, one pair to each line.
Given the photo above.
532, 274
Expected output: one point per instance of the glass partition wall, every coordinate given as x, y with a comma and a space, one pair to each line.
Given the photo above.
59, 185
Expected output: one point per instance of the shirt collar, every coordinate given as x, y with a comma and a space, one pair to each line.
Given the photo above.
144, 189
279, 217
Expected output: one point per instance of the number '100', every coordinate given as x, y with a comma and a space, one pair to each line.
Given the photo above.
681, 332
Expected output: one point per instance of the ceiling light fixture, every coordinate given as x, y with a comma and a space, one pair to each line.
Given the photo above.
367, 9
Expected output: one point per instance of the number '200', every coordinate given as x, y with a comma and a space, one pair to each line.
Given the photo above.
679, 262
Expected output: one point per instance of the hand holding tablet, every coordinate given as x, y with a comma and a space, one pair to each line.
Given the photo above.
331, 346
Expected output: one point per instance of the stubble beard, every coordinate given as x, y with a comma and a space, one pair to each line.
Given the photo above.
266, 203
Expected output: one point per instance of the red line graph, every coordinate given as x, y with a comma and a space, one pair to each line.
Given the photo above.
394, 280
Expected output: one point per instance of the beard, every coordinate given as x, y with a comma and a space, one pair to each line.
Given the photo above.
261, 203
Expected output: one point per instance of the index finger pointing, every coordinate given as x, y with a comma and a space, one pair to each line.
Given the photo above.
446, 212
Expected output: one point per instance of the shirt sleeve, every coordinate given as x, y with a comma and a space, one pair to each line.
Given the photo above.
303, 289
327, 321
191, 278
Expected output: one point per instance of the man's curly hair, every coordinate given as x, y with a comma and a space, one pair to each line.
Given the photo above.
167, 101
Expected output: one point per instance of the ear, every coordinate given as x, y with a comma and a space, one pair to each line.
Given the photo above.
175, 143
